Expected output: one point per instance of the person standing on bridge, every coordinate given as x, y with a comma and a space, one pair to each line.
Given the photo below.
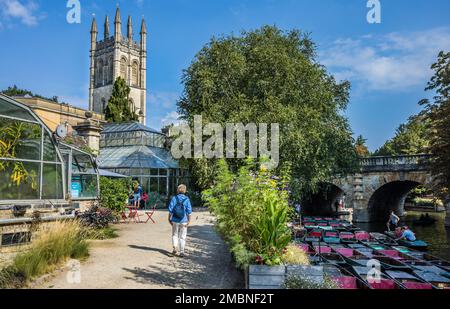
180, 210
393, 221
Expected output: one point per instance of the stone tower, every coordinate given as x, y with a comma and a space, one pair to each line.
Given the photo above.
116, 56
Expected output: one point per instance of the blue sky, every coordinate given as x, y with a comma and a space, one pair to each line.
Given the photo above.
387, 64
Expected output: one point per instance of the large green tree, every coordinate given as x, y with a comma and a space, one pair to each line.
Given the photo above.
410, 138
438, 112
272, 76
118, 108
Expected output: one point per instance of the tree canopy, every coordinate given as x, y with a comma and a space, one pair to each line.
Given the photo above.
15, 91
412, 137
271, 76
118, 108
438, 113
361, 147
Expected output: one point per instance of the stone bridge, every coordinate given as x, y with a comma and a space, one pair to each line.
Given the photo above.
381, 185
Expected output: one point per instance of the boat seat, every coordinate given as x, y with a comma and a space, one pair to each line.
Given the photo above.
347, 283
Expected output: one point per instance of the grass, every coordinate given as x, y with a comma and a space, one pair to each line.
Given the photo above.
63, 240
102, 234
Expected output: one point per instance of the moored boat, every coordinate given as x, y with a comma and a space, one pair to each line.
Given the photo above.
347, 237
344, 279
384, 239
331, 237
333, 258
381, 282
436, 280
409, 281
314, 235
416, 244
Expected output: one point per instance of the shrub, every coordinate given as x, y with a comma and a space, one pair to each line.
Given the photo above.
252, 212
296, 282
102, 234
97, 217
294, 255
64, 239
114, 193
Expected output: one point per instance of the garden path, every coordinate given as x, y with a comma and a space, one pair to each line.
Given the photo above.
139, 259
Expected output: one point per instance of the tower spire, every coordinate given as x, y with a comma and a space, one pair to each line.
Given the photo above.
117, 26
106, 33
130, 29
94, 25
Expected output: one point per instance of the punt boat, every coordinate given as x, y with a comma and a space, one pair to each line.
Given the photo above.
353, 257
409, 281
431, 259
417, 244
347, 237
438, 281
331, 237
383, 283
344, 279
362, 236
314, 235
334, 259
384, 239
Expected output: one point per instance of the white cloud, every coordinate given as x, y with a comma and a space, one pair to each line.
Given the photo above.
395, 61
15, 9
171, 118
164, 99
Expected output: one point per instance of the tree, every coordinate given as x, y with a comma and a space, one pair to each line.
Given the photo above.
361, 147
438, 112
272, 76
411, 138
118, 108
15, 91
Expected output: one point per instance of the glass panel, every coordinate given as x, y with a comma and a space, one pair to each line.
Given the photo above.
82, 163
21, 140
52, 186
154, 172
153, 185
12, 110
84, 186
19, 180
49, 149
163, 185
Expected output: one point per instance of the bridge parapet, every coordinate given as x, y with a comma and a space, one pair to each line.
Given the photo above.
395, 163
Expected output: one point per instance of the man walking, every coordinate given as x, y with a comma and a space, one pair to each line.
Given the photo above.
180, 210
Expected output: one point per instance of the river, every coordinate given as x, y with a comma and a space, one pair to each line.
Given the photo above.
436, 235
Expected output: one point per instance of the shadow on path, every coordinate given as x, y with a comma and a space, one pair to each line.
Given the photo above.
208, 264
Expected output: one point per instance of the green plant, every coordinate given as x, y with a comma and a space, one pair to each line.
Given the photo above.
114, 193
118, 108
102, 234
252, 212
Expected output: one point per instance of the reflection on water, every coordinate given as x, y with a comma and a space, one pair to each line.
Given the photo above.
436, 235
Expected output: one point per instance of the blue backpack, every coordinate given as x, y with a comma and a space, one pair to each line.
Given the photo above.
179, 212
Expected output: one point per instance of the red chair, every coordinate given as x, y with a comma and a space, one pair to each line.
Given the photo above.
150, 214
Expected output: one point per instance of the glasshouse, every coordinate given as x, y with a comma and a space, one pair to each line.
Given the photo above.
138, 151
33, 167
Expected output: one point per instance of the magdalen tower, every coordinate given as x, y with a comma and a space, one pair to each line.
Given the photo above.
118, 56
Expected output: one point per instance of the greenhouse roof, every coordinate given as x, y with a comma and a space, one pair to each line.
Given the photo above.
127, 127
136, 157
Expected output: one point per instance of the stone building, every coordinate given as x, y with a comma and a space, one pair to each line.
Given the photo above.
118, 56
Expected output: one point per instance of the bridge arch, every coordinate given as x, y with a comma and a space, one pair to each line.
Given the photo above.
389, 196
322, 201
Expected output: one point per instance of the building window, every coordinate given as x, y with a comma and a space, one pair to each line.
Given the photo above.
135, 74
100, 73
123, 68
111, 70
30, 164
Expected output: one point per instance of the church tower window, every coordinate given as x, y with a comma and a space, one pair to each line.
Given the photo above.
135, 74
123, 68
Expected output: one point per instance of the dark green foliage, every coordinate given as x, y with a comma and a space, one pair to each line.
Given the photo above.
271, 76
14, 91
438, 113
361, 147
97, 217
118, 108
114, 193
411, 138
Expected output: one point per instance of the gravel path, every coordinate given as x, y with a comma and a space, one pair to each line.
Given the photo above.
139, 258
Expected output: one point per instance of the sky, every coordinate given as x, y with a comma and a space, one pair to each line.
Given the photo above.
388, 63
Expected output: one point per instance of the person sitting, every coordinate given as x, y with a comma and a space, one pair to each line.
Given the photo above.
407, 234
398, 232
